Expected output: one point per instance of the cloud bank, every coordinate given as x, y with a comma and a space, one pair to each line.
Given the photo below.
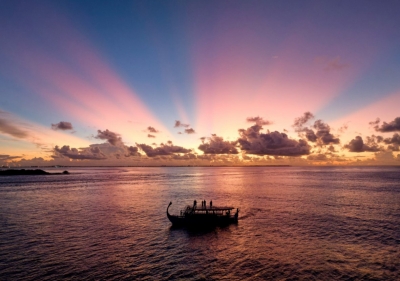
252, 141
253, 146
217, 145
163, 149
91, 153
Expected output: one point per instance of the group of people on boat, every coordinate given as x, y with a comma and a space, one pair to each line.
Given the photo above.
203, 204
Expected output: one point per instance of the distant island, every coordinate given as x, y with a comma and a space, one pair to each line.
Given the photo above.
12, 172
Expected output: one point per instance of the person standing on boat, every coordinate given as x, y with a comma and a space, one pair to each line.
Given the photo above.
205, 206
211, 204
194, 204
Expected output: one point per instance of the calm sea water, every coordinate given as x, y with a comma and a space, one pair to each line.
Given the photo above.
110, 224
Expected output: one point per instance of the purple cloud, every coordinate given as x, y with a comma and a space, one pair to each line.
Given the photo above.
63, 125
258, 120
111, 137
375, 123
132, 151
217, 145
273, 143
190, 131
387, 127
331, 148
152, 129
357, 145
163, 149
310, 135
323, 133
95, 149
393, 142
92, 153
179, 124
300, 121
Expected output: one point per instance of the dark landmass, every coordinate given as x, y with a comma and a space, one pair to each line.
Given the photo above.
12, 172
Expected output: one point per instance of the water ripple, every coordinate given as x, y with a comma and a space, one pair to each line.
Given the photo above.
110, 224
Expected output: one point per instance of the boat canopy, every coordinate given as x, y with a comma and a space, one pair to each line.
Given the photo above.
214, 208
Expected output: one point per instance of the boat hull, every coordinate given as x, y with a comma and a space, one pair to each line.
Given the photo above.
202, 220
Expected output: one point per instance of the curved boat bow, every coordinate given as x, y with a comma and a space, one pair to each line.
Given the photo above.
175, 220
168, 215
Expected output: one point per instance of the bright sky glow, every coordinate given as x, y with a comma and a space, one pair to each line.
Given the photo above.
172, 83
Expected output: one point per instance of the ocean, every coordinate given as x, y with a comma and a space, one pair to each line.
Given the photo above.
295, 223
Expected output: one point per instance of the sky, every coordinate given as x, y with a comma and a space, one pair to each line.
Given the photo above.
178, 83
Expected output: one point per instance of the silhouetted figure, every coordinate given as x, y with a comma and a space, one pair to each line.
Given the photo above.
210, 204
205, 204
194, 203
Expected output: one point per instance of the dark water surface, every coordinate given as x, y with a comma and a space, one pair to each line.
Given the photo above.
294, 224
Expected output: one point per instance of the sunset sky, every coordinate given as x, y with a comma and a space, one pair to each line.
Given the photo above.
199, 83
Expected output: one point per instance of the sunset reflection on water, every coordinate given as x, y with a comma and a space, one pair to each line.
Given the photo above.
294, 223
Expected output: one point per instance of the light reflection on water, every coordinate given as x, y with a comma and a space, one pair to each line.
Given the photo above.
295, 223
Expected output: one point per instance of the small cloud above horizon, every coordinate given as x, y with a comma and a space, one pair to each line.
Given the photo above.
111, 137
179, 124
151, 129
63, 125
189, 131
259, 121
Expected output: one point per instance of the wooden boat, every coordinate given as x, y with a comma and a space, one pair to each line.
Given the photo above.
204, 216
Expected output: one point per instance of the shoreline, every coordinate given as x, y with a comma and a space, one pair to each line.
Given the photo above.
28, 172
